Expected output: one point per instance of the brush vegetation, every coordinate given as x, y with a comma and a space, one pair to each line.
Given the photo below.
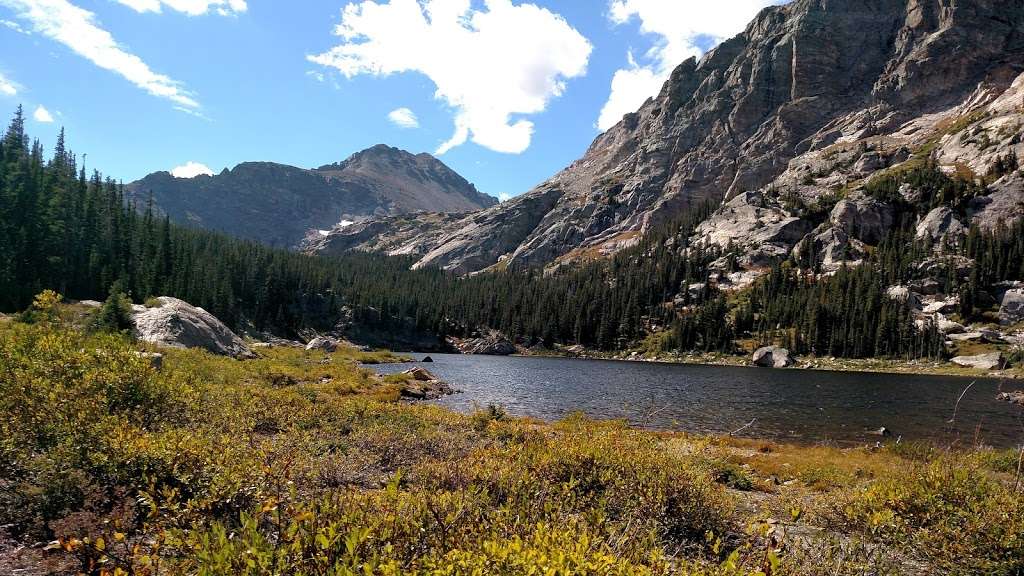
305, 463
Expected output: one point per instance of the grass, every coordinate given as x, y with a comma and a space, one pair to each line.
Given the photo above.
306, 463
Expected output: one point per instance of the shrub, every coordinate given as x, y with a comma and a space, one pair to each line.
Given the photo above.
115, 315
951, 510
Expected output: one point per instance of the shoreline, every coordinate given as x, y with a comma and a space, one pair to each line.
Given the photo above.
828, 364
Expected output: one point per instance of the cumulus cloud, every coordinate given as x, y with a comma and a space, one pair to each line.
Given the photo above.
190, 7
504, 197
42, 115
8, 87
191, 169
492, 65
404, 118
78, 29
680, 29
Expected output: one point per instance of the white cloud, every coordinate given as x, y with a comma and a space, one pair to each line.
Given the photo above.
491, 65
504, 197
42, 115
15, 26
190, 7
316, 75
679, 28
78, 30
404, 118
191, 169
8, 87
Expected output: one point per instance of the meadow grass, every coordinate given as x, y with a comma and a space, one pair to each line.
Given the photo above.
306, 463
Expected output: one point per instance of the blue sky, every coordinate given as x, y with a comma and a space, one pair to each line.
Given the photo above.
508, 92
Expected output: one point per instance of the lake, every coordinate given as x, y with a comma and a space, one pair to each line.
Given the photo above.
798, 406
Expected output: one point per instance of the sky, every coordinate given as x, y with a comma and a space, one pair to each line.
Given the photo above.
505, 92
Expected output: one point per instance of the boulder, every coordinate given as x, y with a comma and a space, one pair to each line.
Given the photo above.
944, 305
991, 361
982, 335
1011, 306
427, 360
420, 374
155, 359
947, 326
420, 384
862, 218
965, 336
772, 357
926, 286
322, 343
903, 294
938, 224
178, 324
1016, 397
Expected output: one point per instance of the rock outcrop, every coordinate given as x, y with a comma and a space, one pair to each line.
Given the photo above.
991, 361
490, 344
322, 344
177, 324
282, 205
421, 384
772, 357
1011, 306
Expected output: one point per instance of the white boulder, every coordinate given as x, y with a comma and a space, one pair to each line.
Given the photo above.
772, 357
178, 324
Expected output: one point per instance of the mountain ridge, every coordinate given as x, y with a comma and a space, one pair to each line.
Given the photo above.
280, 205
801, 78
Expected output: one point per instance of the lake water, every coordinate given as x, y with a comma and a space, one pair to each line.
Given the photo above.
797, 406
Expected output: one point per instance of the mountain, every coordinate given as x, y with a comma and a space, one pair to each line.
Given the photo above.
812, 100
279, 204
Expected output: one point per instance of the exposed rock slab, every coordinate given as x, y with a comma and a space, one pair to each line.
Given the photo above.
991, 361
491, 344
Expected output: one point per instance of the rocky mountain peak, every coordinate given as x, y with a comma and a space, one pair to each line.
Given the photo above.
800, 81
281, 205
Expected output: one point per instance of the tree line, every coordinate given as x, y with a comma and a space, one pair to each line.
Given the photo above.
65, 229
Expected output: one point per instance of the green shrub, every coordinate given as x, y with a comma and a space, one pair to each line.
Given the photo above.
115, 315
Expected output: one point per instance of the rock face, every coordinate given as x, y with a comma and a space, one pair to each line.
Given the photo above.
992, 361
782, 122
280, 205
772, 357
492, 344
754, 222
178, 324
938, 224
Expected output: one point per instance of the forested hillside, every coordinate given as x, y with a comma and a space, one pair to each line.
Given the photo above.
71, 231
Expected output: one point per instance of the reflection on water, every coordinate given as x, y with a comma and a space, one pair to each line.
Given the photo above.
789, 405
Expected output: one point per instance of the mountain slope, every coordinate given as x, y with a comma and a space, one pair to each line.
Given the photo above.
800, 79
279, 204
